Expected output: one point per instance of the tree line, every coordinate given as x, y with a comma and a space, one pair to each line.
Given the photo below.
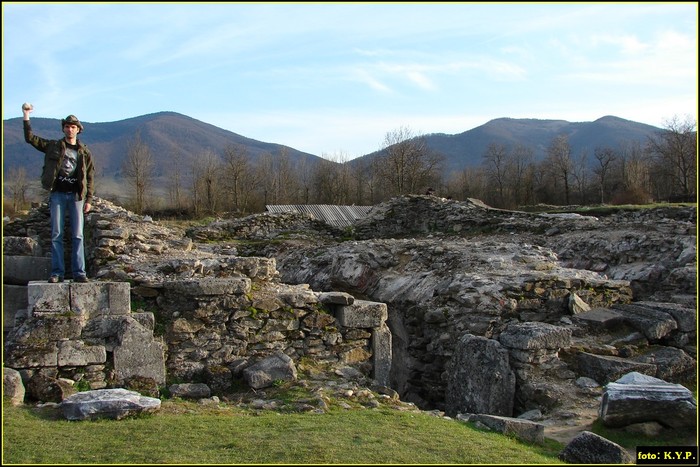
509, 177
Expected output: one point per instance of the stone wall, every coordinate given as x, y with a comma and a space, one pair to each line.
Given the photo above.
203, 327
218, 311
83, 332
215, 325
195, 313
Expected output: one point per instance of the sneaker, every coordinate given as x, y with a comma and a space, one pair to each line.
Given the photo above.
81, 279
55, 279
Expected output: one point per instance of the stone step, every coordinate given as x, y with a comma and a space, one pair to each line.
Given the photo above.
91, 299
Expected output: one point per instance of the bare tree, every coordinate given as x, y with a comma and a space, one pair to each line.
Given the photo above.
408, 166
545, 182
559, 156
366, 178
332, 180
209, 168
470, 182
138, 169
497, 166
605, 157
305, 171
237, 172
522, 180
676, 151
634, 173
278, 179
174, 179
18, 185
579, 175
287, 179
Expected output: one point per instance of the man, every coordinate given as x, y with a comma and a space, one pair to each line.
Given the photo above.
68, 174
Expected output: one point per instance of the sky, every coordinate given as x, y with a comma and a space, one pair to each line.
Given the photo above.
335, 79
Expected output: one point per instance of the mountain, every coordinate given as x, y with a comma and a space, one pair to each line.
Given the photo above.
169, 134
468, 148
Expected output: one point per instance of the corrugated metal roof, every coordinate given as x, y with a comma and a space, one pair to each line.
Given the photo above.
337, 216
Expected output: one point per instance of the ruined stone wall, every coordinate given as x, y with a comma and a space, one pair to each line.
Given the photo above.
219, 311
210, 311
425, 334
215, 325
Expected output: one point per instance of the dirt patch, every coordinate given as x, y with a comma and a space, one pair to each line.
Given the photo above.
564, 430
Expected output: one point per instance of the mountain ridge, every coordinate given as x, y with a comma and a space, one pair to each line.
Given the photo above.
172, 136
166, 134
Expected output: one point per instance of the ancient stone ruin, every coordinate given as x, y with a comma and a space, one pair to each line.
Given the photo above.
455, 306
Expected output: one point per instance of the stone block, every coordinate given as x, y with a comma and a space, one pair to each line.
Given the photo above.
31, 355
21, 246
49, 327
524, 430
94, 299
76, 353
362, 314
88, 300
19, 270
14, 298
138, 353
336, 298
209, 286
381, 354
12, 387
43, 297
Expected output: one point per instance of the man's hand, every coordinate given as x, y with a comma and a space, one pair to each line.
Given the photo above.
26, 110
87, 207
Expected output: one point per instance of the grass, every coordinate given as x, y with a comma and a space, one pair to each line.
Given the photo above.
605, 209
627, 438
188, 433
230, 432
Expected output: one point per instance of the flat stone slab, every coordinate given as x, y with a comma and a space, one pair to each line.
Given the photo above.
107, 403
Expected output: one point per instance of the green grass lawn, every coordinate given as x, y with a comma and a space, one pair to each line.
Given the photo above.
187, 433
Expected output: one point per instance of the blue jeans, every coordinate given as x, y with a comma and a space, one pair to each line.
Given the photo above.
59, 204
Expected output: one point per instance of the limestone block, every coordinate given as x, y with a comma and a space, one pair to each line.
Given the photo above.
44, 388
138, 353
525, 430
381, 353
19, 270
48, 298
107, 403
210, 286
336, 298
95, 299
638, 398
605, 368
48, 327
535, 335
12, 387
278, 366
146, 319
254, 267
189, 390
480, 379
362, 314
14, 298
31, 355
77, 353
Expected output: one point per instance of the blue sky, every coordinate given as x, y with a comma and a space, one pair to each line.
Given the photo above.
333, 79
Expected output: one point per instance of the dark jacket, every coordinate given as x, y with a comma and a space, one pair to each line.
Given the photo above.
54, 152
